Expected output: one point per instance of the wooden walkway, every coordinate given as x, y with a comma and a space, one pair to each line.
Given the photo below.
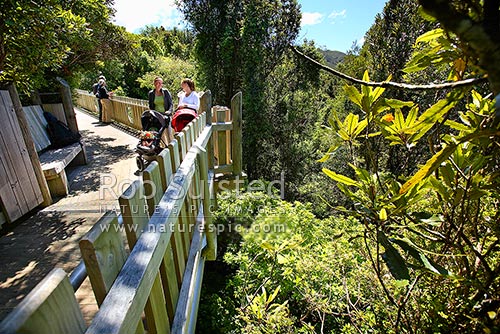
156, 285
30, 249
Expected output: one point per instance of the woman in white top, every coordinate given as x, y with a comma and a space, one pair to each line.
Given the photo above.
188, 98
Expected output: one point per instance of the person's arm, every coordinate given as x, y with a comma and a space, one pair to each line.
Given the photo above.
151, 100
168, 101
180, 95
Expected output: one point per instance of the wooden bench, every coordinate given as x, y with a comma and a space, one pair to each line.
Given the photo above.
53, 161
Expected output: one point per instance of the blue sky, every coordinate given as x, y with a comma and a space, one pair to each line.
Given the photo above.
336, 24
333, 24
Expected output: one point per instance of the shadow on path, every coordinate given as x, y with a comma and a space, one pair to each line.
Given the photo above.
31, 250
31, 247
101, 154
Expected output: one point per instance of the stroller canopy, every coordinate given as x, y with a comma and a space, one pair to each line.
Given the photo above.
152, 120
182, 117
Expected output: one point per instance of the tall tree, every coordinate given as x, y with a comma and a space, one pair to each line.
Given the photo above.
239, 43
216, 25
48, 38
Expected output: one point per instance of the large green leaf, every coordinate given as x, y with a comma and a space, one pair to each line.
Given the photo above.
342, 133
364, 88
327, 155
432, 115
353, 95
418, 255
393, 259
399, 119
361, 126
412, 116
340, 178
430, 35
350, 123
431, 165
397, 104
457, 126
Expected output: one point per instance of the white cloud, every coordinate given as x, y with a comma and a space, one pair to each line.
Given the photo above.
335, 14
311, 19
134, 15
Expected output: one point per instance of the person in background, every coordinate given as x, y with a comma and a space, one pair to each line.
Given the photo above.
159, 98
95, 90
189, 104
105, 116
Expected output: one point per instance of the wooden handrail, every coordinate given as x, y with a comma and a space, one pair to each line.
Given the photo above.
127, 297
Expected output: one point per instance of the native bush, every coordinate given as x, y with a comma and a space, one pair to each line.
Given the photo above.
434, 226
291, 272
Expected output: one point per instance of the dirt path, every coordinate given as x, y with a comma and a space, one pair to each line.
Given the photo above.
48, 238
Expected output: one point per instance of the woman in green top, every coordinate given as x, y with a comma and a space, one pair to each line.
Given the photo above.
161, 101
160, 98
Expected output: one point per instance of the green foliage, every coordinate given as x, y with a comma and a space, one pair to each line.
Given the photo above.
156, 51
30, 34
294, 273
440, 49
264, 316
172, 70
416, 241
43, 40
161, 42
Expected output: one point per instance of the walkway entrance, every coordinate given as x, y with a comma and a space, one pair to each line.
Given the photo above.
32, 248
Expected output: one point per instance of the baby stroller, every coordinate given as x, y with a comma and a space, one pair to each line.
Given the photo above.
153, 124
182, 117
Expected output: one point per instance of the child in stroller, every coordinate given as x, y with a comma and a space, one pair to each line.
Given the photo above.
153, 125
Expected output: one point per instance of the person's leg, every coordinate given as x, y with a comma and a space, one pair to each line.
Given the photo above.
100, 109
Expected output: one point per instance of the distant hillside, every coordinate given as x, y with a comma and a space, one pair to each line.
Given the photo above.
332, 57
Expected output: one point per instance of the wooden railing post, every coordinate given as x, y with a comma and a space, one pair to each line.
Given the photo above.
236, 147
210, 251
67, 101
51, 307
206, 105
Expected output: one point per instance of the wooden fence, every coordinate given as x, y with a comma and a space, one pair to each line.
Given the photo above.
155, 288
